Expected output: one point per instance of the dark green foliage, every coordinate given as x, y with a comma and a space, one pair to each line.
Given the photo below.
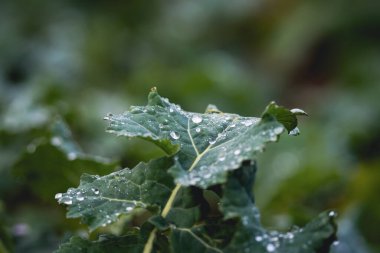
200, 196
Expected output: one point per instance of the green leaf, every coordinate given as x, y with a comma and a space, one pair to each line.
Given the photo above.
187, 241
108, 243
250, 236
206, 146
100, 200
51, 164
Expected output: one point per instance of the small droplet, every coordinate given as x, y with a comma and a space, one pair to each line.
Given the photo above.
129, 208
171, 109
270, 247
108, 116
197, 129
80, 198
237, 152
71, 156
222, 158
196, 119
247, 123
58, 196
31, 148
96, 191
174, 135
212, 142
258, 238
295, 132
332, 214
56, 141
68, 202
335, 243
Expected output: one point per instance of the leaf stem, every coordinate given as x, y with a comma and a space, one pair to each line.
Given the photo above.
149, 244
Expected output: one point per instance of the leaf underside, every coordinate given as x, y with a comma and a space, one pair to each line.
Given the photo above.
214, 151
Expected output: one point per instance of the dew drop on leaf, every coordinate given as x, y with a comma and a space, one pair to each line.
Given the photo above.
258, 238
68, 202
196, 119
247, 123
237, 152
96, 191
71, 156
80, 198
174, 135
58, 196
270, 247
56, 141
129, 208
295, 132
197, 129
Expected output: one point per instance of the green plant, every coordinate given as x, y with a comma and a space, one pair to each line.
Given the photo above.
198, 197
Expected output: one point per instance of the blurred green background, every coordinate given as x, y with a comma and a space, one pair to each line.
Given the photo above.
75, 61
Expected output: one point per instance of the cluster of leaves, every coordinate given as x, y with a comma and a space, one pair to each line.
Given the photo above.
199, 196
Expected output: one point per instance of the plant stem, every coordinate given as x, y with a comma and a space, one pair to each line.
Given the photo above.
149, 244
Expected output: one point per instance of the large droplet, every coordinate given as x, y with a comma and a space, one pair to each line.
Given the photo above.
174, 135
298, 111
196, 119
270, 247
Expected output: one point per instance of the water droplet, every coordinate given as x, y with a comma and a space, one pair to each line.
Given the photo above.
171, 109
58, 196
108, 116
129, 208
270, 247
96, 191
31, 148
258, 238
298, 111
68, 202
295, 132
56, 141
196, 119
174, 135
335, 243
233, 125
278, 130
332, 214
80, 198
237, 152
71, 156
247, 123
197, 129
212, 142
222, 158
